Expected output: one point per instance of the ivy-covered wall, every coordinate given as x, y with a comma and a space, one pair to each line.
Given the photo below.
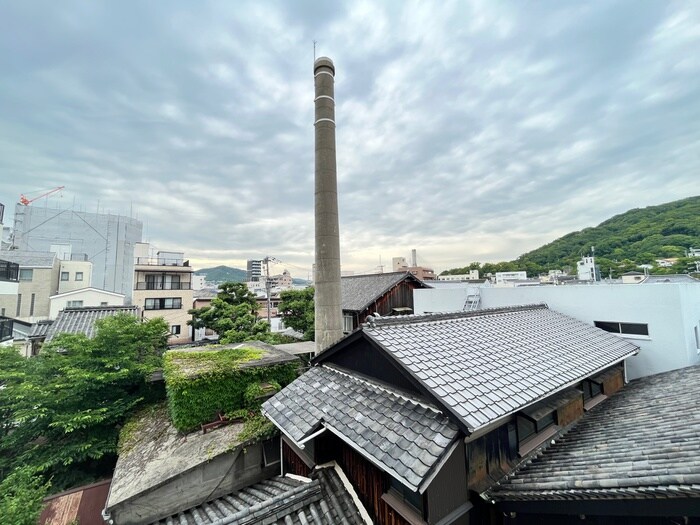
201, 384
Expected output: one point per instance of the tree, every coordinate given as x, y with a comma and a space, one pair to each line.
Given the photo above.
297, 309
21, 497
66, 405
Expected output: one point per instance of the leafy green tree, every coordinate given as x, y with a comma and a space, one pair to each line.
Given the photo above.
21, 497
297, 309
66, 404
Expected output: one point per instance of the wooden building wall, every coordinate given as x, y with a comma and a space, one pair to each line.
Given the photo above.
400, 296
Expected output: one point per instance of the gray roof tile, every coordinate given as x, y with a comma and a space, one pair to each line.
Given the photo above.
281, 500
82, 320
486, 364
360, 291
390, 428
643, 442
29, 259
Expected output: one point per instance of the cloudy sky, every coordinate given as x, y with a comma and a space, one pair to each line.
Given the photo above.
471, 131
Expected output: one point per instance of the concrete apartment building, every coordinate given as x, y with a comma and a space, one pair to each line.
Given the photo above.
9, 287
107, 240
163, 288
38, 280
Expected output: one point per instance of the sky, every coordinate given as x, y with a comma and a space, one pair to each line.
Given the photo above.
470, 131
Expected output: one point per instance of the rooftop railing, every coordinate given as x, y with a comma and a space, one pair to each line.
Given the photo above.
160, 261
163, 286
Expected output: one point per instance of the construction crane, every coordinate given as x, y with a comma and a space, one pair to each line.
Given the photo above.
27, 201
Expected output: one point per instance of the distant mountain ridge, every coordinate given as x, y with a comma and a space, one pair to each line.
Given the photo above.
223, 274
638, 236
220, 274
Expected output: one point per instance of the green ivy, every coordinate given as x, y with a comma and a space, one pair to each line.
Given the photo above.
201, 384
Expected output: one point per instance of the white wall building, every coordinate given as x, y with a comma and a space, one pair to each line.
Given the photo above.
473, 275
502, 278
662, 318
83, 297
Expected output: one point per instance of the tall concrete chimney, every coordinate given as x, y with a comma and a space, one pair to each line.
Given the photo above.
329, 314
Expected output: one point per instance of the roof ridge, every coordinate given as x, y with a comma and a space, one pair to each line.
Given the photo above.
378, 322
363, 380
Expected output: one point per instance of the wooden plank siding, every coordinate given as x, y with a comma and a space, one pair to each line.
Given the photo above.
293, 464
399, 296
79, 505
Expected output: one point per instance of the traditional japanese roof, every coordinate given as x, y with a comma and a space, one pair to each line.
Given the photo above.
82, 320
359, 291
643, 442
401, 435
29, 259
671, 278
327, 499
487, 364
40, 329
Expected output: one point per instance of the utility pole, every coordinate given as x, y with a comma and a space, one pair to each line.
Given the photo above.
268, 286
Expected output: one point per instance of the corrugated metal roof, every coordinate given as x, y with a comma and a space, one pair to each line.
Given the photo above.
360, 291
82, 320
399, 434
29, 259
643, 442
324, 500
486, 364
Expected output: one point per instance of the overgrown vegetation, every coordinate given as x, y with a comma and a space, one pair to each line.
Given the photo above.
62, 410
297, 309
201, 384
639, 236
21, 497
233, 315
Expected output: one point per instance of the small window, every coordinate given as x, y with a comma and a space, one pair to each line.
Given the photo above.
78, 276
697, 336
103, 303
26, 274
271, 451
623, 328
19, 303
31, 305
175, 329
2, 313
347, 324
74, 304
65, 276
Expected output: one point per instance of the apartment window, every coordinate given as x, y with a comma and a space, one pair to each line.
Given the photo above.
65, 276
19, 304
164, 303
26, 274
2, 313
74, 304
103, 303
175, 329
697, 337
78, 276
31, 305
616, 327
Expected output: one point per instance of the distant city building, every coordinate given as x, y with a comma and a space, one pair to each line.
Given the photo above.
254, 270
106, 240
503, 278
198, 282
399, 264
587, 270
38, 280
473, 275
83, 298
163, 288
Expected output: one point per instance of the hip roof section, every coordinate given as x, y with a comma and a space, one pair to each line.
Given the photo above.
643, 442
399, 434
484, 365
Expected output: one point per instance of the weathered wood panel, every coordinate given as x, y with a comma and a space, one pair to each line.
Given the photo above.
570, 412
613, 381
398, 297
449, 488
490, 457
293, 464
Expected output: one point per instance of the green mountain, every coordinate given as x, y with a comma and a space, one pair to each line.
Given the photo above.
220, 274
638, 236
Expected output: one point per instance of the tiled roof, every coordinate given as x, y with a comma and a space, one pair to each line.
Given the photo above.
360, 291
40, 329
29, 259
402, 436
281, 500
486, 364
672, 278
643, 442
82, 320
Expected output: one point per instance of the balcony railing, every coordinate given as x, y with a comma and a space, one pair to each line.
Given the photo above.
163, 286
9, 271
160, 261
5, 328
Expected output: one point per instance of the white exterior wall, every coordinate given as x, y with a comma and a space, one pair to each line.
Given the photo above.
671, 311
433, 300
502, 277
89, 296
72, 268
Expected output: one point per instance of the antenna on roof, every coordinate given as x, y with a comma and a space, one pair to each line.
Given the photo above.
315, 42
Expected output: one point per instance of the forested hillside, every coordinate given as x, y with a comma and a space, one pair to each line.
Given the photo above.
223, 274
639, 236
